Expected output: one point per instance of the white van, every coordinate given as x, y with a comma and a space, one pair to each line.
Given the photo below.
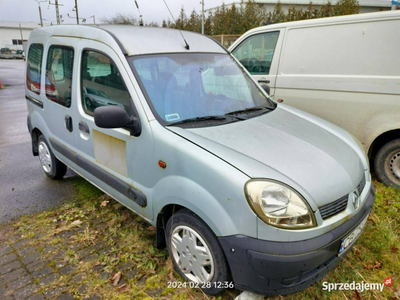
343, 69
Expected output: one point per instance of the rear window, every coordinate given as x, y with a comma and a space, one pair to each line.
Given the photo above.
59, 74
34, 68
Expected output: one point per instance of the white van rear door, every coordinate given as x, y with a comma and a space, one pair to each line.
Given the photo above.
259, 53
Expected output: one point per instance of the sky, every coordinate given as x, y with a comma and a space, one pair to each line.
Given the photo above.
152, 10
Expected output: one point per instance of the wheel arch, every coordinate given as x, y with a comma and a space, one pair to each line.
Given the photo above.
170, 209
162, 218
381, 140
35, 137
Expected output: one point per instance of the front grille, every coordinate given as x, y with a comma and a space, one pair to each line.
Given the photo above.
334, 208
361, 185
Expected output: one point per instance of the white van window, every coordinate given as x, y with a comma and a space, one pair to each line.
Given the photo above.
102, 83
256, 52
34, 68
59, 74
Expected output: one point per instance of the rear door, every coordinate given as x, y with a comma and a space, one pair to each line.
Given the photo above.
259, 54
57, 82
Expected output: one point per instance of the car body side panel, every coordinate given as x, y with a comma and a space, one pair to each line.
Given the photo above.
202, 182
368, 121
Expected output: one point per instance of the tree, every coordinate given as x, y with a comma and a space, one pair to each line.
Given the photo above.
182, 20
219, 21
311, 12
252, 16
278, 15
151, 24
346, 7
293, 14
121, 18
233, 20
194, 22
326, 10
208, 24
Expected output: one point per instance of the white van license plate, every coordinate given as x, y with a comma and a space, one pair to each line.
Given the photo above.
353, 236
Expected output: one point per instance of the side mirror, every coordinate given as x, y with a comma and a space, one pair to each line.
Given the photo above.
116, 117
266, 88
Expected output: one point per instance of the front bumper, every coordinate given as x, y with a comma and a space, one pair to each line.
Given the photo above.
277, 268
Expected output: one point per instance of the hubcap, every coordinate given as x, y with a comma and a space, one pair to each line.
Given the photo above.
192, 254
393, 165
44, 156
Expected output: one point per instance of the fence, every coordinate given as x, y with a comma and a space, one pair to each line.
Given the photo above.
226, 40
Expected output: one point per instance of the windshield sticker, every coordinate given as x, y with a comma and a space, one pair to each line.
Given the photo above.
172, 117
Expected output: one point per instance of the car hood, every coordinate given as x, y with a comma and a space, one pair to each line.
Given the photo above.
309, 154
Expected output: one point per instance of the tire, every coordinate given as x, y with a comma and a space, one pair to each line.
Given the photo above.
182, 227
387, 163
52, 167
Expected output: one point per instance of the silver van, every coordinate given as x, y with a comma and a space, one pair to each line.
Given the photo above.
243, 191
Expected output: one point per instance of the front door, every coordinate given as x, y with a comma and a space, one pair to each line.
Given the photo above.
259, 54
112, 159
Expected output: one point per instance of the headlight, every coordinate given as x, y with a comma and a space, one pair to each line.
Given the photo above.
279, 205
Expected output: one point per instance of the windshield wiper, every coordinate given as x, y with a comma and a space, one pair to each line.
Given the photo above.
205, 118
249, 110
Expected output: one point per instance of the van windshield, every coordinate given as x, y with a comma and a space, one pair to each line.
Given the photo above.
198, 86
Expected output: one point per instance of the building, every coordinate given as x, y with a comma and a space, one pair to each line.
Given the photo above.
12, 34
365, 5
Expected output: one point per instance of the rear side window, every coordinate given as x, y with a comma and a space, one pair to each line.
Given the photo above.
34, 68
59, 74
102, 84
256, 52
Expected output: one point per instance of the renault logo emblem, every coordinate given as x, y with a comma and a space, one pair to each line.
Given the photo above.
356, 200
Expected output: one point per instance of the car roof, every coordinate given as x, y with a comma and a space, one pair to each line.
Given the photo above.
135, 40
373, 16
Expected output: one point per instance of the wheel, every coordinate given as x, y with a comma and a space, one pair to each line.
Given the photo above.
52, 167
196, 252
387, 163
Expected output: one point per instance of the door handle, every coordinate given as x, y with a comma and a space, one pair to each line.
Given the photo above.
68, 123
264, 81
84, 127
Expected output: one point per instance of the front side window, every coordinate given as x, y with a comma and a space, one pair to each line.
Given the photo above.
102, 83
256, 52
59, 74
186, 86
34, 68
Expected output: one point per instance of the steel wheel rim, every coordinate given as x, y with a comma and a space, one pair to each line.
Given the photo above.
192, 254
44, 156
393, 166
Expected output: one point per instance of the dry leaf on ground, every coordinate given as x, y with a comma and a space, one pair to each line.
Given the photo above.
123, 288
116, 278
104, 203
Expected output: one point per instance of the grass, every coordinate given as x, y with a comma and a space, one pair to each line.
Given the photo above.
94, 219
